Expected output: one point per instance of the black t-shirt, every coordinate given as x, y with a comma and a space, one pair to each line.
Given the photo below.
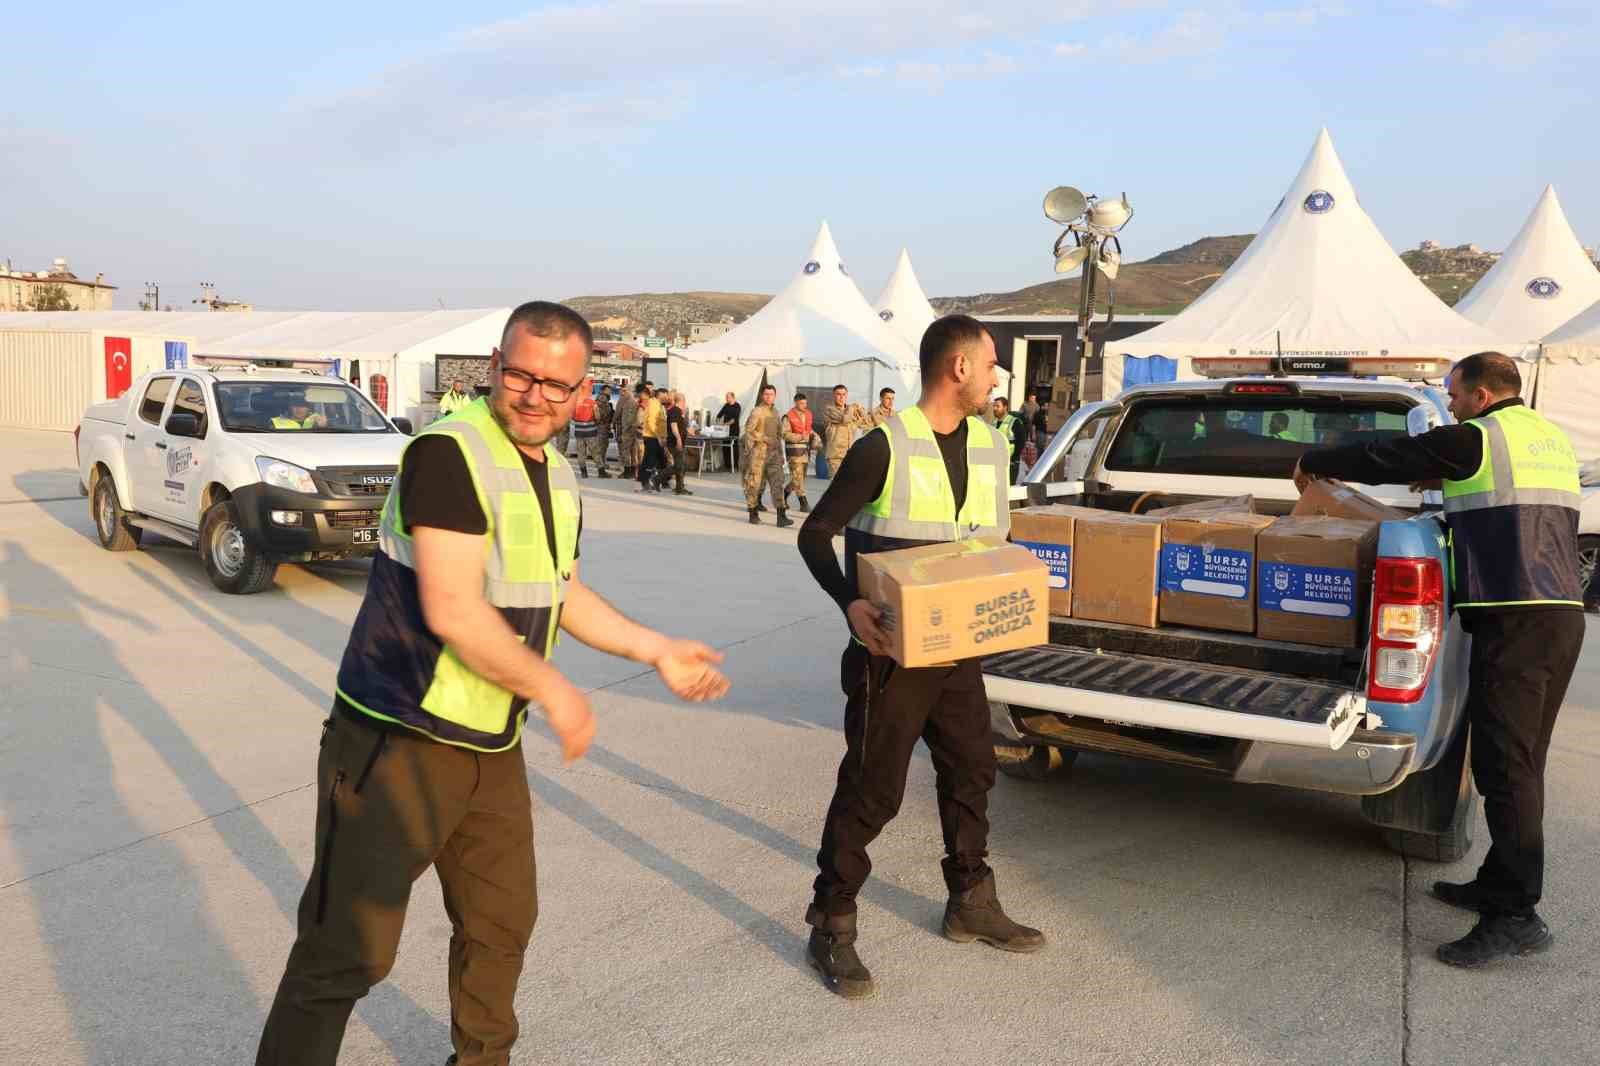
436, 490
675, 418
858, 481
730, 415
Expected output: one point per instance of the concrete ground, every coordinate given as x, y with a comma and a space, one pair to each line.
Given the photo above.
157, 747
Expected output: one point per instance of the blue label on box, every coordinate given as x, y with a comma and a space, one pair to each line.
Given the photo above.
1206, 571
1328, 591
1058, 557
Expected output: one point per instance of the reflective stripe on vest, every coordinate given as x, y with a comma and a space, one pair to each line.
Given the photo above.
917, 502
1513, 522
519, 573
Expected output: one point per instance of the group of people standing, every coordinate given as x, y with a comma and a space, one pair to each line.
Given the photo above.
774, 451
650, 426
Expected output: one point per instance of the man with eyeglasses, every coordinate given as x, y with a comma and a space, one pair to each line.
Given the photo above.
421, 762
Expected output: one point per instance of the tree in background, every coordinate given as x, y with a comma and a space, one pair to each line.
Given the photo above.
50, 298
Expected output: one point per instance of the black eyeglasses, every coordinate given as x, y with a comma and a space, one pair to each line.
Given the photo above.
521, 381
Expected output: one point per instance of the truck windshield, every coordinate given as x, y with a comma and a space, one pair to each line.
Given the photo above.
1235, 436
297, 407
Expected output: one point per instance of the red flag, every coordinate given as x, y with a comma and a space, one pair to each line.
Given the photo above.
119, 366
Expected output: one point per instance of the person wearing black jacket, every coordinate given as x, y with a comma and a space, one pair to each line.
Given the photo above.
1510, 480
729, 416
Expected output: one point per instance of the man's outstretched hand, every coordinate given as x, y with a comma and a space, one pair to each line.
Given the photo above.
1303, 480
689, 669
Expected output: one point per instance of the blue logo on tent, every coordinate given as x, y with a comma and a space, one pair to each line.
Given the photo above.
886, 314
1319, 202
813, 266
1543, 288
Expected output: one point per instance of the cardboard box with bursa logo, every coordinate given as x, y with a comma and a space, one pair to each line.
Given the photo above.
1335, 499
946, 602
1047, 532
1314, 579
1208, 568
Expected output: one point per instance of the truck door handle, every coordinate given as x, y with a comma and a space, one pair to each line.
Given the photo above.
128, 436
161, 444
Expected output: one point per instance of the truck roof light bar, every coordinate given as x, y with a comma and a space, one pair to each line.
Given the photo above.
1419, 368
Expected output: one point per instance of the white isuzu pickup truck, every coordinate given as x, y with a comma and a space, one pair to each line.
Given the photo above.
255, 467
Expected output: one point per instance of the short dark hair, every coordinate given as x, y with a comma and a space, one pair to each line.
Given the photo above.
946, 337
769, 385
1003, 402
1494, 371
885, 391
800, 396
545, 319
641, 389
841, 385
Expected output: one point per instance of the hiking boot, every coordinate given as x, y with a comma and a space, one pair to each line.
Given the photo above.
832, 953
1467, 895
783, 519
629, 472
682, 492
755, 519
805, 504
604, 472
1499, 936
761, 507
976, 915
583, 471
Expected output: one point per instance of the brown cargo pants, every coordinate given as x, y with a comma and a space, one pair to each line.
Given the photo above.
390, 805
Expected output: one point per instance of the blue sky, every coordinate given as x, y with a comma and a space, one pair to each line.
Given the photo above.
363, 155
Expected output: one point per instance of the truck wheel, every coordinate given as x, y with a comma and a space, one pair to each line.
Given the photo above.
110, 520
1588, 560
1033, 762
234, 564
1432, 814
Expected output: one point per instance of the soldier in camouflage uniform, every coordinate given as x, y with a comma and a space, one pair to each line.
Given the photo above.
763, 458
840, 420
625, 421
798, 440
604, 416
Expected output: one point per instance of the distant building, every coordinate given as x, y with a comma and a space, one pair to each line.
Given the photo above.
617, 359
709, 331
1428, 246
56, 289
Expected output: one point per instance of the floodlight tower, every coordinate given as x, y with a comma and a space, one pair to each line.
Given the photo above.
1093, 224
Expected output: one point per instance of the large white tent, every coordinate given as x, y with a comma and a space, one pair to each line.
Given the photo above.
903, 304
397, 346
1543, 280
1567, 390
819, 331
1319, 279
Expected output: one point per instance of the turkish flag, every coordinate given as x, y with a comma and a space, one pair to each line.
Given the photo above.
119, 366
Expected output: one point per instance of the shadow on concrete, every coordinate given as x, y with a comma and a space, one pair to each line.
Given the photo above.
50, 485
766, 930
905, 904
78, 950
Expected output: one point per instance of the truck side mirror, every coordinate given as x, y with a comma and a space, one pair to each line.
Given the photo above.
404, 425
184, 424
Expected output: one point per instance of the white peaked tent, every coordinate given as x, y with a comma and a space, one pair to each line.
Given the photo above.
819, 331
1319, 277
1568, 388
1543, 280
903, 304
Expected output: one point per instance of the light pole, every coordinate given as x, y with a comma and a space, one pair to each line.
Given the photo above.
152, 296
1093, 224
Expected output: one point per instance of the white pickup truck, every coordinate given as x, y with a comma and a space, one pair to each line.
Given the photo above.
255, 467
1383, 720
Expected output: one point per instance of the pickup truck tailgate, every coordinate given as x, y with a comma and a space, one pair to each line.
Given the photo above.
1168, 694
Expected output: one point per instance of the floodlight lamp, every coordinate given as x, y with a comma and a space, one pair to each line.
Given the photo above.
1064, 203
1109, 216
1071, 260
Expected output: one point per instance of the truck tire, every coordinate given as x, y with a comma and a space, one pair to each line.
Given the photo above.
1588, 560
110, 520
1432, 814
235, 565
1033, 762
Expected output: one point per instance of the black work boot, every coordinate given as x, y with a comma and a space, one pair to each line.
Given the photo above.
976, 915
761, 507
784, 519
1497, 936
604, 472
583, 470
805, 504
755, 519
1467, 895
832, 953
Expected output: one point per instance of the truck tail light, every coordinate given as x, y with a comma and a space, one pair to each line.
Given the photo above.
1407, 626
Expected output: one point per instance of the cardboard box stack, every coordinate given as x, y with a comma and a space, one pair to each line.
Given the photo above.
1208, 564
1314, 579
944, 602
1047, 533
1335, 499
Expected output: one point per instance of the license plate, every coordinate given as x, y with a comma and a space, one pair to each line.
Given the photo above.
364, 536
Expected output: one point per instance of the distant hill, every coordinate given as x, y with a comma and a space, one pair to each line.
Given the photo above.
1163, 284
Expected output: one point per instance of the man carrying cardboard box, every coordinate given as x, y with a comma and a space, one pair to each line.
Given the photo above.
934, 473
1510, 481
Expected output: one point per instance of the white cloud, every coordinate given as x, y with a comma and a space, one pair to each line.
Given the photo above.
601, 66
1065, 50
1518, 48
